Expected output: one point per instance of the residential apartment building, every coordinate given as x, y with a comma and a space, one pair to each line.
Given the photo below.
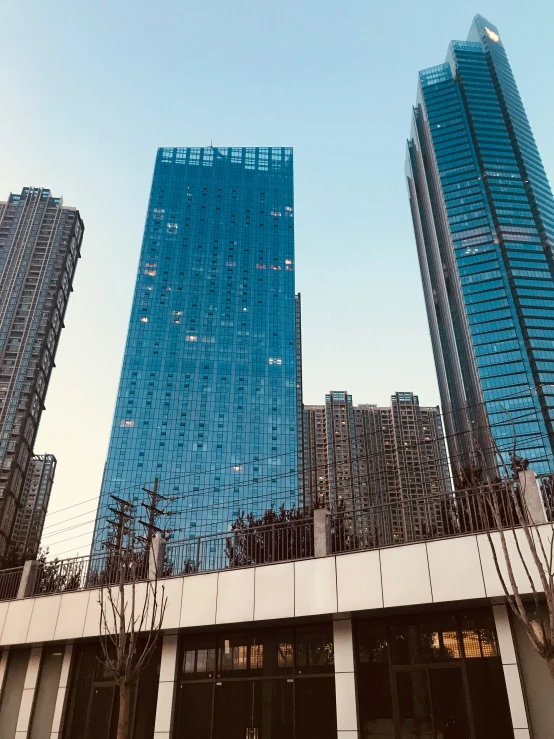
331, 451
40, 243
383, 458
483, 216
29, 523
208, 398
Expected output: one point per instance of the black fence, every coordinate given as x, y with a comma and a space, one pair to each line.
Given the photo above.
92, 571
430, 517
546, 486
258, 545
9, 583
395, 522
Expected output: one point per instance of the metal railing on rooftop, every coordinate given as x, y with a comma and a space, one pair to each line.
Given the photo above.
9, 582
252, 545
89, 571
422, 519
256, 545
389, 524
546, 486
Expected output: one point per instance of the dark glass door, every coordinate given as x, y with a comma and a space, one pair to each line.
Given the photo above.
432, 704
102, 723
194, 711
257, 709
414, 705
315, 708
448, 700
489, 702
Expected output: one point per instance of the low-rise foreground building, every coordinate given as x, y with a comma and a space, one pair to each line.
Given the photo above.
409, 641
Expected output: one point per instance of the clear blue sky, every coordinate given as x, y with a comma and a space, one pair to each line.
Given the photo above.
91, 89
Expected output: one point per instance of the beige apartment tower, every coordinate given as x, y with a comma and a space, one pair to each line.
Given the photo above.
390, 461
40, 242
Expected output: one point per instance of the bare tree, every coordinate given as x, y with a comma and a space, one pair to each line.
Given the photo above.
524, 541
131, 618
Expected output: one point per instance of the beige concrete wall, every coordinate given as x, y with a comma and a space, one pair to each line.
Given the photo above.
539, 688
441, 571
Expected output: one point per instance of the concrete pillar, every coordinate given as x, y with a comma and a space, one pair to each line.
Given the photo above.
28, 697
62, 693
514, 685
28, 579
345, 679
322, 532
532, 497
156, 556
3, 669
166, 689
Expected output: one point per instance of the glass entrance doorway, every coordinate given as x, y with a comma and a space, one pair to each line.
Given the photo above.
258, 684
253, 709
431, 703
93, 700
431, 676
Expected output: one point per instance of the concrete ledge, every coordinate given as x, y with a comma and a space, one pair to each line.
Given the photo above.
439, 571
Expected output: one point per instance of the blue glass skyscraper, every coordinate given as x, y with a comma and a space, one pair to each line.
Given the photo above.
207, 400
483, 216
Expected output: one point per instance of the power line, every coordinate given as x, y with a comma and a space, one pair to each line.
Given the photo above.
69, 528
344, 439
210, 506
368, 477
52, 513
58, 523
69, 538
326, 465
82, 535
440, 413
72, 549
265, 496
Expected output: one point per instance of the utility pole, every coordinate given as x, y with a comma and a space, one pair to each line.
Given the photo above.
121, 528
154, 513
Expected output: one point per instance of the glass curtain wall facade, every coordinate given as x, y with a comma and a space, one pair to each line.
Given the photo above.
208, 394
483, 217
40, 243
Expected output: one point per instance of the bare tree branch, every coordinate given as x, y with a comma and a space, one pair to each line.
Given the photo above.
129, 629
503, 502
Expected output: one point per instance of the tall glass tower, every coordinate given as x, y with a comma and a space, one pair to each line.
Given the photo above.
483, 216
207, 400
